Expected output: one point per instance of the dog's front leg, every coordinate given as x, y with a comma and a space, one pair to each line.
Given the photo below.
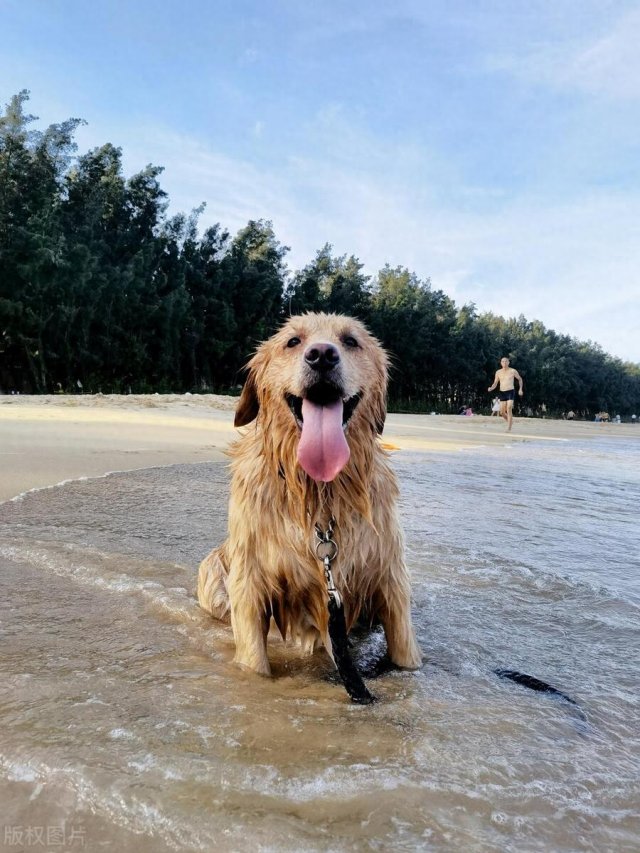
250, 624
395, 615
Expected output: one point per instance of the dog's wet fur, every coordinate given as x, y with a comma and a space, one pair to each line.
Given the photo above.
314, 405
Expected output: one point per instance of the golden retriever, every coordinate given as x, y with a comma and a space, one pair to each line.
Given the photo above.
315, 403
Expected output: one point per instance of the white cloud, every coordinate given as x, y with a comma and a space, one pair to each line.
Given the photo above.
250, 55
575, 267
607, 65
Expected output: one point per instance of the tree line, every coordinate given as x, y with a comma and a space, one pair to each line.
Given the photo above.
101, 290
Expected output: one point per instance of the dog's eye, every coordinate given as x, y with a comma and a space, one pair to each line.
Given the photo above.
349, 341
293, 342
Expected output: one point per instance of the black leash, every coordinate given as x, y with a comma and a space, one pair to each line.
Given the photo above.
540, 687
327, 551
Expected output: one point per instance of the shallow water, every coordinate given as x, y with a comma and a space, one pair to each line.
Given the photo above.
125, 726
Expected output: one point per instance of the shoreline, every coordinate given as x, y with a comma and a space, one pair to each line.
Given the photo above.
47, 440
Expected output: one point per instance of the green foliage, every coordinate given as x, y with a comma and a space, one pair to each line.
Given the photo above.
335, 285
100, 291
254, 275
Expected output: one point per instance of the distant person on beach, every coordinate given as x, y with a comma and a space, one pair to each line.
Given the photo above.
505, 378
495, 407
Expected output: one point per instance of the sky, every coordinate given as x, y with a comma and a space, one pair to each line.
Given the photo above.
490, 146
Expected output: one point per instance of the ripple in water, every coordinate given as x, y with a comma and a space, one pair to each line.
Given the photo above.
122, 713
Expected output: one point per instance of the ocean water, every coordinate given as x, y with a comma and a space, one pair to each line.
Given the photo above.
124, 725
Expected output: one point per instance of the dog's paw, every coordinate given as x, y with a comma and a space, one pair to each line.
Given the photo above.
258, 668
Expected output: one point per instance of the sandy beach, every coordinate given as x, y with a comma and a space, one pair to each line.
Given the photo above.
45, 440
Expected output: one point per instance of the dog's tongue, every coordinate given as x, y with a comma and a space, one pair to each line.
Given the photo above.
323, 450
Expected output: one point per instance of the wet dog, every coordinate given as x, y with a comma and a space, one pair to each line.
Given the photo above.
314, 404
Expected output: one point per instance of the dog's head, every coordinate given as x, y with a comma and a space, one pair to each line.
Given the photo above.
324, 378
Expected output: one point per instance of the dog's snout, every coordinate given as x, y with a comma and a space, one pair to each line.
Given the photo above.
322, 356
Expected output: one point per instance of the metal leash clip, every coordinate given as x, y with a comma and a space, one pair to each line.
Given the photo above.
327, 551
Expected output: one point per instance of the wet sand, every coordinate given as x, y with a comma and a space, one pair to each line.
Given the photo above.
45, 440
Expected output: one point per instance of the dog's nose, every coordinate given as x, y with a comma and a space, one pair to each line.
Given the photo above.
322, 356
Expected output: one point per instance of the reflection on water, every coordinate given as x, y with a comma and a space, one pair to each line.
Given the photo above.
123, 718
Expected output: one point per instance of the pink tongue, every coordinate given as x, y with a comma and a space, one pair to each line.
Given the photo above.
323, 450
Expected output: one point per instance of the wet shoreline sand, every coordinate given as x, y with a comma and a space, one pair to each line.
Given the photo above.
45, 440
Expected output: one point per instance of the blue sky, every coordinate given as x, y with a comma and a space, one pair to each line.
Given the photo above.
491, 146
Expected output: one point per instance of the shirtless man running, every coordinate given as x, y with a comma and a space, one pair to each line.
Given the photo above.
505, 377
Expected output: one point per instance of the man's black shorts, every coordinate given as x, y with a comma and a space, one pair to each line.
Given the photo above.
507, 395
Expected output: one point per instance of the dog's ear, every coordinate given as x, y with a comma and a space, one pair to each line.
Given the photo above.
380, 398
248, 406
380, 414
